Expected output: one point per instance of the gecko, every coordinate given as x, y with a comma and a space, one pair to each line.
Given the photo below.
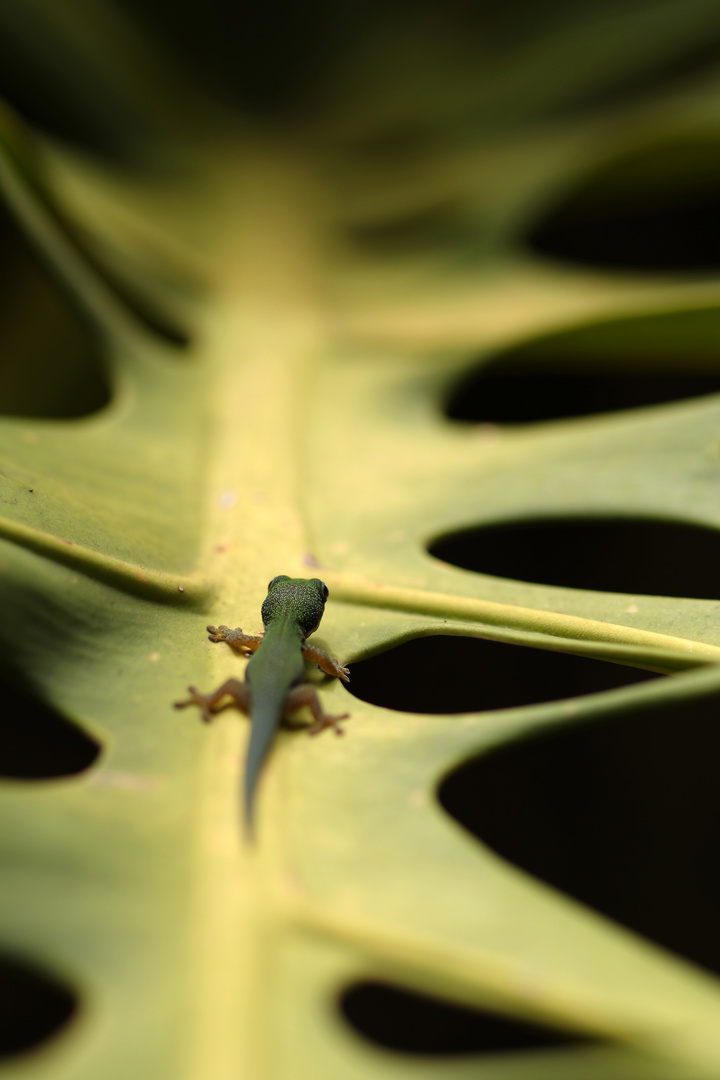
273, 686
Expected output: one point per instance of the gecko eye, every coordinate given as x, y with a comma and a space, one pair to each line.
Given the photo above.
321, 588
280, 577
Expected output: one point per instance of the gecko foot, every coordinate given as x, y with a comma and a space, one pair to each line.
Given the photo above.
326, 721
333, 667
196, 698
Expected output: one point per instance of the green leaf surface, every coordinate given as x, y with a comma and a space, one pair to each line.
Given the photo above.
280, 297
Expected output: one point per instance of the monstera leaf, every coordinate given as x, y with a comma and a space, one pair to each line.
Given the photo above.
423, 302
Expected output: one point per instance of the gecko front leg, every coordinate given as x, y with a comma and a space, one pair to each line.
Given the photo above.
324, 661
236, 638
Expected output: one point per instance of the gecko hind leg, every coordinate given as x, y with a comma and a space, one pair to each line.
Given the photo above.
236, 638
306, 696
210, 703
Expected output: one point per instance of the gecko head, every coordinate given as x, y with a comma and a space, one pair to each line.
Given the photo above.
302, 598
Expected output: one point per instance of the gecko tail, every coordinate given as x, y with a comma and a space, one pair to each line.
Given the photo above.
248, 819
266, 713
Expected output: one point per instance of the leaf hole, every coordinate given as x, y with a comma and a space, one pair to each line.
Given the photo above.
38, 744
461, 674
513, 394
413, 1023
600, 368
266, 60
623, 815
33, 1007
625, 555
46, 81
49, 364
657, 210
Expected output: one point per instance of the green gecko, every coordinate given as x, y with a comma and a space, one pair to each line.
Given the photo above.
273, 687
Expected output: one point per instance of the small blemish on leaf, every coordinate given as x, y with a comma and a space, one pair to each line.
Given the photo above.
632, 610
228, 499
181, 588
153, 657
486, 431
